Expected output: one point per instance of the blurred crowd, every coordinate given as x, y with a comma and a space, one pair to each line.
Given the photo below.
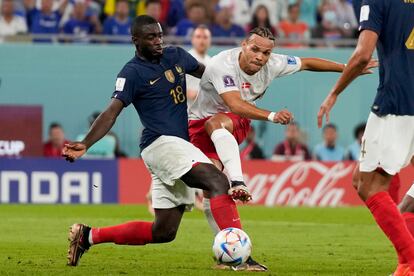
294, 20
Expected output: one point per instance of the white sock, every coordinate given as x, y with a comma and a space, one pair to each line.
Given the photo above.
90, 240
228, 151
209, 216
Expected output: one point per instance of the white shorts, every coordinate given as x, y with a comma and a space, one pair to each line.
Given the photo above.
168, 158
388, 143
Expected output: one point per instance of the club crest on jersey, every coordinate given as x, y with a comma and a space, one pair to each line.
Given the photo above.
179, 69
228, 81
291, 60
170, 76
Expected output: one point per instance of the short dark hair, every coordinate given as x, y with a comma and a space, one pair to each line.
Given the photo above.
54, 125
148, 2
263, 32
141, 21
358, 129
330, 125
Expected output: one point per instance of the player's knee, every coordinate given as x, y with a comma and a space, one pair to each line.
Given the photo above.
212, 124
165, 235
218, 183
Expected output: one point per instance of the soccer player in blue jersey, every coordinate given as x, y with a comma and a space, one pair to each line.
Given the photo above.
154, 82
388, 141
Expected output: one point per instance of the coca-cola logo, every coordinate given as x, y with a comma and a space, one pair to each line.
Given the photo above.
302, 183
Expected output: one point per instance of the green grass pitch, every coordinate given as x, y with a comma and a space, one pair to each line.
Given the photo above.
290, 241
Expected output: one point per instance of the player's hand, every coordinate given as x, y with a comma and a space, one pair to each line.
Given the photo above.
73, 151
373, 63
283, 117
325, 108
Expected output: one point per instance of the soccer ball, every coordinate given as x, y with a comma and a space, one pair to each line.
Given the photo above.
232, 246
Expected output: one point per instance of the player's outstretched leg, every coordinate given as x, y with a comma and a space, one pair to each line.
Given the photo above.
221, 206
221, 128
372, 188
162, 230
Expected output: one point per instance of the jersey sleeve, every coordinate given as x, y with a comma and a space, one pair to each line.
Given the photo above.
189, 62
371, 15
222, 77
281, 65
125, 85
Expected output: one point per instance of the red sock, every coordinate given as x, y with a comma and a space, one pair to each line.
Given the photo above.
132, 233
390, 220
224, 211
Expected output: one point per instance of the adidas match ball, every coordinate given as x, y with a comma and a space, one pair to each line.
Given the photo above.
232, 246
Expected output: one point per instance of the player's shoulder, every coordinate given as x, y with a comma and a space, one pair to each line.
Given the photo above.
174, 50
131, 69
226, 59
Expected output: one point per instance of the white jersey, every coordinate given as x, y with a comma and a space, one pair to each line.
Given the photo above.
223, 74
193, 83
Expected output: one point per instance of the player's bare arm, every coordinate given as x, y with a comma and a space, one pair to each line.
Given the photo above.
324, 65
99, 129
242, 108
199, 71
357, 64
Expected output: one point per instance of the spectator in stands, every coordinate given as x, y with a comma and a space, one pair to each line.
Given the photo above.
153, 8
104, 148
196, 15
201, 42
53, 147
80, 24
355, 147
291, 149
120, 23
328, 28
347, 21
10, 24
308, 12
260, 18
224, 26
176, 12
277, 9
252, 149
45, 20
293, 29
242, 12
329, 150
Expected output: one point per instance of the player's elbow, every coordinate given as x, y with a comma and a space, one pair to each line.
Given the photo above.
362, 58
236, 108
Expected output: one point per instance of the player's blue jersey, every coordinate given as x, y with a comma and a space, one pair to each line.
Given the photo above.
158, 93
393, 21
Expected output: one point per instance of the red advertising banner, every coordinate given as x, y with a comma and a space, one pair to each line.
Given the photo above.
273, 183
20, 131
134, 181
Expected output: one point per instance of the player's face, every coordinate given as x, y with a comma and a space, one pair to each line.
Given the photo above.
255, 53
150, 41
201, 40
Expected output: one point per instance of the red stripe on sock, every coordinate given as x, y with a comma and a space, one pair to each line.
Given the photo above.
390, 220
130, 233
224, 211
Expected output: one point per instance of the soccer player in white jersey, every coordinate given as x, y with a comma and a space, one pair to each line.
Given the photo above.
201, 42
219, 119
